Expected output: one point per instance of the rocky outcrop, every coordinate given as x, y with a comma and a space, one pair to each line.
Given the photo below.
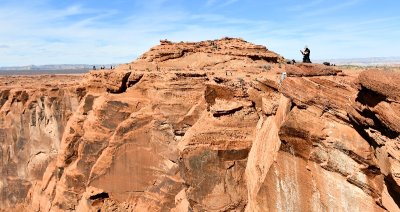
32, 121
207, 126
309, 70
230, 47
321, 154
375, 113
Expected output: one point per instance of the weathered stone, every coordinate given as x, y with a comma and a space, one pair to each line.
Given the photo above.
309, 70
382, 82
206, 126
110, 81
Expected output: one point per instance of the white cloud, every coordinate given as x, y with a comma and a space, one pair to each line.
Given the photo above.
301, 6
228, 2
219, 3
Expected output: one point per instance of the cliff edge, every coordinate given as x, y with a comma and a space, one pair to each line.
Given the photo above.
220, 125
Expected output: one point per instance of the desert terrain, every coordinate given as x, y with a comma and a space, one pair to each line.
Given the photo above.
221, 125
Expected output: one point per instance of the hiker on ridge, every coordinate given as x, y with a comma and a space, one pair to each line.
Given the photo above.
306, 55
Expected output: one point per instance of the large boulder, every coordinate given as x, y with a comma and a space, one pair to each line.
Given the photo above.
309, 70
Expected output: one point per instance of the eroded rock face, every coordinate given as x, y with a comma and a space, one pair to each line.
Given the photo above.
208, 126
309, 70
32, 121
376, 114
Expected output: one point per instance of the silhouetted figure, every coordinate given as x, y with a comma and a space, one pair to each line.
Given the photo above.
94, 67
306, 55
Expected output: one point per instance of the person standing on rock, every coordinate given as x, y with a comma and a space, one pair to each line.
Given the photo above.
306, 55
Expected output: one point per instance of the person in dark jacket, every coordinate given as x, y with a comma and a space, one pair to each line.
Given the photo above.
306, 55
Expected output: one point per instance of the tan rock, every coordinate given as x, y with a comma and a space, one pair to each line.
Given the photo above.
293, 184
263, 153
205, 126
309, 70
382, 82
33, 115
110, 81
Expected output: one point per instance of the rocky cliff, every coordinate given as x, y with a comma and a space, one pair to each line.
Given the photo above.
217, 125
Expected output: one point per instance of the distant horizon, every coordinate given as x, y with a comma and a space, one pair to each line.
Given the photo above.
91, 32
353, 60
135, 58
66, 64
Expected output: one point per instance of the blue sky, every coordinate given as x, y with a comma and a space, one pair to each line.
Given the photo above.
118, 31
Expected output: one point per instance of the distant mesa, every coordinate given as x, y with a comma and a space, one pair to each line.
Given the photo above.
50, 69
369, 61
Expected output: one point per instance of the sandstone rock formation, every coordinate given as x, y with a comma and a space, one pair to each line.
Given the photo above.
217, 125
33, 115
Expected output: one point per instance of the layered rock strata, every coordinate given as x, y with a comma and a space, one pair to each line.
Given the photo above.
33, 115
217, 125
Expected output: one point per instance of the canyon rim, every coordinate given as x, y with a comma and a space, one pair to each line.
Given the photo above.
222, 125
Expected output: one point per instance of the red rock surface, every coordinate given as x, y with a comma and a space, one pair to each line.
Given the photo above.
207, 126
309, 70
383, 82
